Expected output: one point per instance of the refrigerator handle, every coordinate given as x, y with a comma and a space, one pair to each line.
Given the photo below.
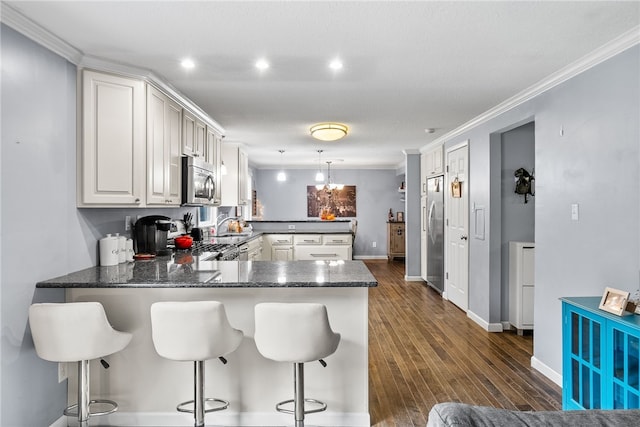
424, 218
430, 218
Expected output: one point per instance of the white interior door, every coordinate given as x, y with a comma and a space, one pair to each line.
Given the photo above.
457, 227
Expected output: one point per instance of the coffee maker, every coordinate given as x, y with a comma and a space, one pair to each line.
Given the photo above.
150, 235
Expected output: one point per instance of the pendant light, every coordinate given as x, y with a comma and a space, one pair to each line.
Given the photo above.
281, 175
329, 186
319, 175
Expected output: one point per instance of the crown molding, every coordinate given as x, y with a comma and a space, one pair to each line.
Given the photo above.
14, 19
603, 53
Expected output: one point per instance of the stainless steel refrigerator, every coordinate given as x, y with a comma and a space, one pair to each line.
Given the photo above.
435, 232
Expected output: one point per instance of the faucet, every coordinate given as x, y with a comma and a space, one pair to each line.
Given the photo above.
219, 223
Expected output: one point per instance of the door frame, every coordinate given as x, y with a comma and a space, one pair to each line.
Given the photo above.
465, 194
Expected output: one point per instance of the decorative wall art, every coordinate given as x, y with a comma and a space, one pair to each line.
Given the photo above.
337, 203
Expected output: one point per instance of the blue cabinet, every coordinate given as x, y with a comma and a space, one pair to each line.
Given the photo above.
600, 357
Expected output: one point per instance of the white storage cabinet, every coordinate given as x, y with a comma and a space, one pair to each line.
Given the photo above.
521, 285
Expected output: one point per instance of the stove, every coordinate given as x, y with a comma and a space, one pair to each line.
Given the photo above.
219, 251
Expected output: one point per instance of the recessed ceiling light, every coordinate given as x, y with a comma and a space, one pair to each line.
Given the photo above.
188, 63
429, 130
262, 64
336, 64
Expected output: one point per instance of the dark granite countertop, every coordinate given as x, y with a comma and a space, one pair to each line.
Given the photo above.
182, 270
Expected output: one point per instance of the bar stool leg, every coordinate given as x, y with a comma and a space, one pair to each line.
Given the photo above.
198, 392
298, 394
83, 390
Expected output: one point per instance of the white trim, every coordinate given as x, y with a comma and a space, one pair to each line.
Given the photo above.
546, 371
411, 151
369, 257
38, 34
228, 418
413, 278
60, 422
603, 53
489, 327
506, 326
14, 19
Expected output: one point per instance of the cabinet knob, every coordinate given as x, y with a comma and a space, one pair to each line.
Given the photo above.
137, 200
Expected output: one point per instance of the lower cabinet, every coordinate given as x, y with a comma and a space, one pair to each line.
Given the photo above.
600, 357
304, 247
395, 240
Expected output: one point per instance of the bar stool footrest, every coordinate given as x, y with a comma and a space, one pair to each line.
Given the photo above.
323, 406
69, 411
224, 405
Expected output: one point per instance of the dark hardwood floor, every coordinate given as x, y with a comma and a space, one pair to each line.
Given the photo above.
424, 350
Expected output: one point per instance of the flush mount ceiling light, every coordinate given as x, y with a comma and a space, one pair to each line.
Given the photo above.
336, 65
329, 131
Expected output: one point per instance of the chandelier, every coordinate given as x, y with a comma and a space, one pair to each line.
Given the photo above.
329, 186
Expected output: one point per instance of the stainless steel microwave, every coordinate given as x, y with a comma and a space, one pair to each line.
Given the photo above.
198, 182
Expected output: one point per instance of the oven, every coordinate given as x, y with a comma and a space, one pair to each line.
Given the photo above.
198, 182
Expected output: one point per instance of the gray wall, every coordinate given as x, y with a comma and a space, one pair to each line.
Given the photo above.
595, 163
376, 192
518, 218
43, 234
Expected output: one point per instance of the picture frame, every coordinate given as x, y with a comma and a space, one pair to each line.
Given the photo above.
614, 301
400, 216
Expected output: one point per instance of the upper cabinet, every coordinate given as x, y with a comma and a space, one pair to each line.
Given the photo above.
212, 156
164, 138
235, 182
111, 150
132, 139
431, 164
194, 134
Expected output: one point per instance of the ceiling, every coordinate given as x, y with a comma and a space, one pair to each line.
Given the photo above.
407, 65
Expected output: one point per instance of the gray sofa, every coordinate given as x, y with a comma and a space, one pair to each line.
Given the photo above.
462, 415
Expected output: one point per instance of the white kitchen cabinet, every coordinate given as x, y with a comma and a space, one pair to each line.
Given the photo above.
278, 247
194, 134
304, 253
164, 137
431, 162
111, 147
212, 156
255, 249
521, 284
235, 182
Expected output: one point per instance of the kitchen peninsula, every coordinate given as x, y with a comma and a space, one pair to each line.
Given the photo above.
148, 387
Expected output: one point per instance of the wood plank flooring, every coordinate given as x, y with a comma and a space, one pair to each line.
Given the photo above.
424, 350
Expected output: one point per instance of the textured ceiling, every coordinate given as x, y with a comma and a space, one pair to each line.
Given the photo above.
407, 65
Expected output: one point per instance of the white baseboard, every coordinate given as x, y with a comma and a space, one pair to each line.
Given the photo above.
489, 327
413, 279
369, 257
60, 422
506, 326
546, 371
247, 419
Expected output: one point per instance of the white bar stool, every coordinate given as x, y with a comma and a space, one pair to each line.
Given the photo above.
296, 333
194, 331
76, 332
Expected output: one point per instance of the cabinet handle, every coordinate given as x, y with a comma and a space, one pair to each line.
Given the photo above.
324, 255
137, 200
463, 237
310, 240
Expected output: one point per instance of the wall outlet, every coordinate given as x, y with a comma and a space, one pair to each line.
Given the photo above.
127, 223
374, 244
292, 227
62, 371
